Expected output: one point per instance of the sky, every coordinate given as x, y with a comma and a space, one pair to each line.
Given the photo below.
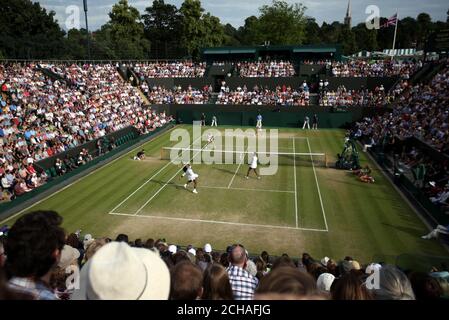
236, 11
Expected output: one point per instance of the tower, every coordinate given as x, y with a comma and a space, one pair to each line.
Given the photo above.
348, 17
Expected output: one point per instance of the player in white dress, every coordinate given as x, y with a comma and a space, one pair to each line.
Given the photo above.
191, 176
253, 166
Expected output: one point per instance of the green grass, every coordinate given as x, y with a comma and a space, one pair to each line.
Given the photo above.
370, 222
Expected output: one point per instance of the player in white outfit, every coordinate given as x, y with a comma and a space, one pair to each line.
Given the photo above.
191, 176
210, 140
253, 166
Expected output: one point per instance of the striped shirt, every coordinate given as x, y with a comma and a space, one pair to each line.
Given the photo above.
242, 282
37, 289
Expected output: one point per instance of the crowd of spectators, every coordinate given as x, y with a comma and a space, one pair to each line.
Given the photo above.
177, 95
420, 112
281, 96
265, 69
363, 97
42, 262
41, 117
380, 68
178, 69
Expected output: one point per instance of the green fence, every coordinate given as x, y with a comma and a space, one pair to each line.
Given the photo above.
270, 118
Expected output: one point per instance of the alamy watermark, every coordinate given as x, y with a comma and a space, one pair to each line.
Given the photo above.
229, 147
373, 19
73, 17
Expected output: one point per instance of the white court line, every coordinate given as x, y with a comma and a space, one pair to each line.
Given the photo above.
317, 185
149, 180
83, 177
243, 189
216, 222
237, 170
294, 177
162, 188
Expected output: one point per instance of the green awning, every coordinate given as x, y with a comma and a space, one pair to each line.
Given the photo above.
216, 51
314, 50
229, 51
242, 51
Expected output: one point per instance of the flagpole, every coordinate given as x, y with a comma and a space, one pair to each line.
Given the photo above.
395, 31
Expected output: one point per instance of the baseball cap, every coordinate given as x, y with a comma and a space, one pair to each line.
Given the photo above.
192, 251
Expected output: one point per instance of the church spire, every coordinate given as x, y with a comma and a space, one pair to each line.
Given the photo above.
348, 17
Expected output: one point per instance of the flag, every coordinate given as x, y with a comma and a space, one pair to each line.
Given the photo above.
391, 21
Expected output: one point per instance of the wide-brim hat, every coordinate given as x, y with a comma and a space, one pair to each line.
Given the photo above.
120, 272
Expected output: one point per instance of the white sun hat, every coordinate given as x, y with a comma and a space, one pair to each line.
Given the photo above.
324, 281
120, 272
207, 248
68, 256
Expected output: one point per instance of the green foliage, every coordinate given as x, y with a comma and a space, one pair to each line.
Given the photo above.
312, 32
127, 32
164, 31
249, 33
365, 39
29, 31
163, 28
198, 29
280, 24
346, 38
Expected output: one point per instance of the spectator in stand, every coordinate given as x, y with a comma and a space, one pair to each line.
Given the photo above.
281, 96
120, 272
350, 286
93, 247
187, 282
177, 69
161, 95
394, 285
242, 282
425, 286
385, 68
287, 283
2, 251
34, 247
216, 284
444, 230
88, 102
265, 69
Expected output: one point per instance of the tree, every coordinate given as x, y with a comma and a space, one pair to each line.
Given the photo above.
329, 32
29, 31
249, 33
424, 29
199, 30
281, 23
312, 32
127, 32
347, 39
163, 28
231, 36
76, 45
215, 35
365, 39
